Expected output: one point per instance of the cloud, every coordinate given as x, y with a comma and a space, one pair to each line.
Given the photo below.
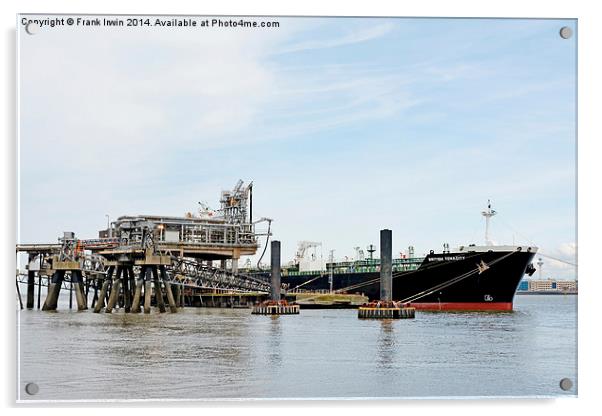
353, 37
557, 261
568, 251
110, 114
99, 121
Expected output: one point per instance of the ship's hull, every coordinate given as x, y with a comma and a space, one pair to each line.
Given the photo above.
480, 281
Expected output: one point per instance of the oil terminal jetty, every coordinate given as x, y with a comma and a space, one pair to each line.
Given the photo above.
161, 261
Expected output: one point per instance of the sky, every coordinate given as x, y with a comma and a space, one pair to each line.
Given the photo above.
345, 126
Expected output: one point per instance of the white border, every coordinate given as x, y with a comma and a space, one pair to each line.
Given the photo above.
589, 89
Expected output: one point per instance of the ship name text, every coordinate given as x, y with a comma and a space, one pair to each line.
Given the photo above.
446, 258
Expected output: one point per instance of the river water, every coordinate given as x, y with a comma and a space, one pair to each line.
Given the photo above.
228, 353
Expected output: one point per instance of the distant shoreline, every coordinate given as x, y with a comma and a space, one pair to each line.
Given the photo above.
539, 292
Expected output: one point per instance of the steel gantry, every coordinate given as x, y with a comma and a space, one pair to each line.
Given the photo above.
141, 257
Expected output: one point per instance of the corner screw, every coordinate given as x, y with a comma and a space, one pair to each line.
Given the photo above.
566, 32
32, 28
566, 384
31, 388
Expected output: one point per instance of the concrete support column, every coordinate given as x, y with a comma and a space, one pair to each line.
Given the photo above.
158, 291
77, 279
87, 291
275, 281
100, 302
113, 298
386, 265
147, 289
138, 292
132, 283
178, 296
126, 290
172, 303
53, 291
95, 296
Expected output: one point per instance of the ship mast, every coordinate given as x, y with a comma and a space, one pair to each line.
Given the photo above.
488, 213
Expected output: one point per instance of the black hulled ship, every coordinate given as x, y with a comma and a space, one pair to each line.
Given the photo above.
467, 278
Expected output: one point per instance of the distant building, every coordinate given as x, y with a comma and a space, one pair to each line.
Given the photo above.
547, 285
542, 285
566, 285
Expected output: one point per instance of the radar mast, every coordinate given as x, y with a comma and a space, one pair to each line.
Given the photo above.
488, 213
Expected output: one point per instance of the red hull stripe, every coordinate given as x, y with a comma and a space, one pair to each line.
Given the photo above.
463, 306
